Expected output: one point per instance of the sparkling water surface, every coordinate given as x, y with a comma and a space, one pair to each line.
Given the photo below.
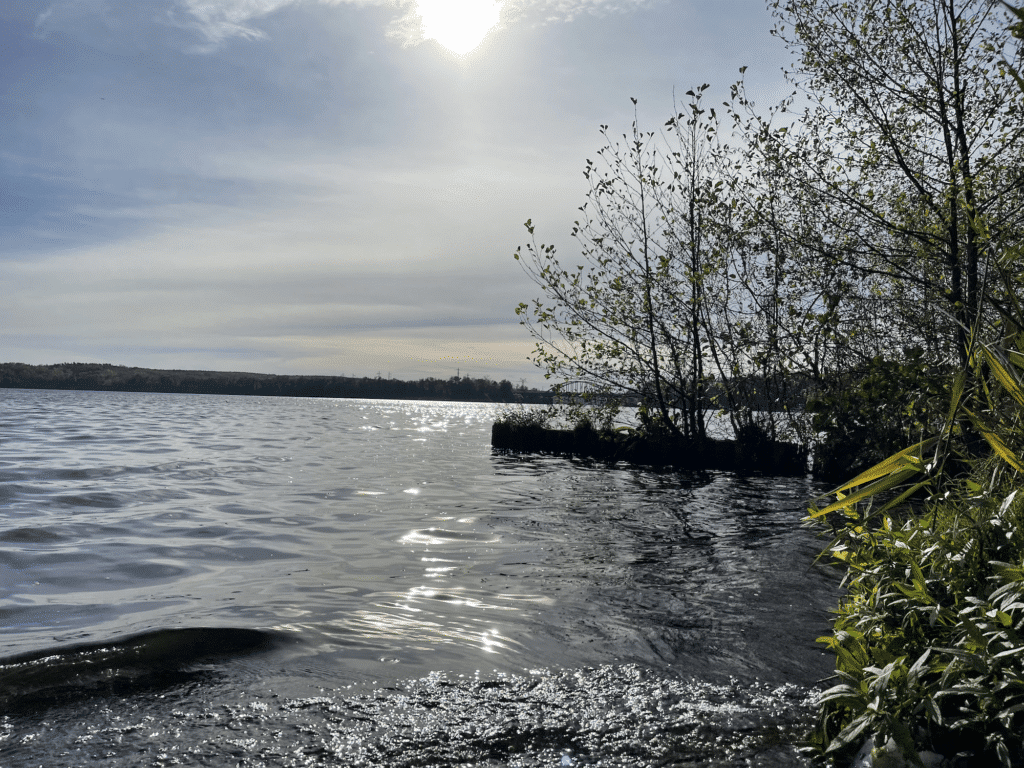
204, 580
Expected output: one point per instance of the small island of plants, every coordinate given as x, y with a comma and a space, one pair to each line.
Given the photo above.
531, 431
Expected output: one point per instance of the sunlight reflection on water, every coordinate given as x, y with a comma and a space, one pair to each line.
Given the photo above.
387, 540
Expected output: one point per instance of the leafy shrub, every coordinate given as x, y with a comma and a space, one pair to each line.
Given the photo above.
521, 416
881, 407
929, 639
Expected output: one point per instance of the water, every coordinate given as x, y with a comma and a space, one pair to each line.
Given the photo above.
203, 580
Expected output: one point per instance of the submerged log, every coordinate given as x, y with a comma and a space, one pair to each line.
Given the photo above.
768, 457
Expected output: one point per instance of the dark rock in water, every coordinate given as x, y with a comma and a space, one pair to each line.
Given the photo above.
768, 457
145, 661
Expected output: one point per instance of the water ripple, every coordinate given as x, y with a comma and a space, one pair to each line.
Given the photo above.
269, 512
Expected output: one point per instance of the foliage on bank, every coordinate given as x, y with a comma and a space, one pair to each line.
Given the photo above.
874, 410
929, 639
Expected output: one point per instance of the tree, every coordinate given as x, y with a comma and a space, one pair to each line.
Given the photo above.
630, 322
927, 638
906, 157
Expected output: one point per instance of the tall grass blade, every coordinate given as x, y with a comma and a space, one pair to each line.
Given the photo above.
905, 495
958, 392
879, 486
997, 443
912, 456
1003, 376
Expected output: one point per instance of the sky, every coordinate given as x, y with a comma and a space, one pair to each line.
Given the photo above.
331, 187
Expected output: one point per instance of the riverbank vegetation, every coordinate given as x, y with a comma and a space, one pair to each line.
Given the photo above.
929, 638
865, 235
119, 378
849, 227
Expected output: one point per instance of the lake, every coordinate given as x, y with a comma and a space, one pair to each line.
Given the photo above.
233, 581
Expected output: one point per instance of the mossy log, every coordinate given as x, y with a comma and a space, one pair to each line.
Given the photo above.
774, 458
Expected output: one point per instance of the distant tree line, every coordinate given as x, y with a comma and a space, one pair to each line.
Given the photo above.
119, 378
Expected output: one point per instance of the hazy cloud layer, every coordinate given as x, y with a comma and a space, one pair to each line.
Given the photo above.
299, 186
216, 21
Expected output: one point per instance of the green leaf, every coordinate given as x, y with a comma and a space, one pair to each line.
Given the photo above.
905, 495
959, 381
849, 734
919, 665
997, 443
884, 484
1003, 376
1008, 653
973, 660
844, 695
918, 595
908, 456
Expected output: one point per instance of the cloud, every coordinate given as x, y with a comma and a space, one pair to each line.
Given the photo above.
308, 195
123, 24
218, 21
408, 28
116, 23
567, 10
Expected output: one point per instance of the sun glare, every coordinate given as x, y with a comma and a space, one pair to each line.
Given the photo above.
458, 25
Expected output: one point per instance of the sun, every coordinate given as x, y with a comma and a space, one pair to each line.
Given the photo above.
458, 25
